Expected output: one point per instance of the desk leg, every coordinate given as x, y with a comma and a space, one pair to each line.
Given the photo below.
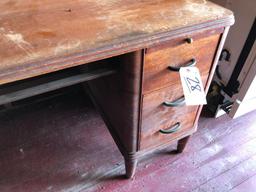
182, 144
130, 167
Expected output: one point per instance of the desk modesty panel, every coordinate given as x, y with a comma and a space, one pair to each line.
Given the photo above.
141, 41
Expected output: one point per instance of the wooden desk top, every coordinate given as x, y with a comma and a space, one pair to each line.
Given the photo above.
38, 37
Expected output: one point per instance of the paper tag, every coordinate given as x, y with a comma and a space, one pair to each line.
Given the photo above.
192, 86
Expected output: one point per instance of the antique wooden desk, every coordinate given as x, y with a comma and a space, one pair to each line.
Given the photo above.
129, 50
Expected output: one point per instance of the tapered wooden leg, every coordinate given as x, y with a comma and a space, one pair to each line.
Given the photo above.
182, 144
130, 167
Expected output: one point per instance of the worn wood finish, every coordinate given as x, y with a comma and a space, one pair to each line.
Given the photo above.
213, 67
166, 118
118, 98
182, 39
40, 37
156, 116
30, 88
156, 72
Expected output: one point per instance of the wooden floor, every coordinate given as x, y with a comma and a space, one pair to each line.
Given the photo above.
62, 145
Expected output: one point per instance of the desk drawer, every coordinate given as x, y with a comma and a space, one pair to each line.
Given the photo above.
166, 119
157, 116
157, 60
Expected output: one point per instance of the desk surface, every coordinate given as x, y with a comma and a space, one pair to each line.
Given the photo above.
37, 37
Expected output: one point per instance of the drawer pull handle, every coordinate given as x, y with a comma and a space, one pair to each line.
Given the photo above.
178, 102
189, 40
191, 63
173, 129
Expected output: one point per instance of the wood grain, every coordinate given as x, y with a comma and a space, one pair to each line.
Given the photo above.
156, 116
162, 117
156, 72
118, 98
40, 37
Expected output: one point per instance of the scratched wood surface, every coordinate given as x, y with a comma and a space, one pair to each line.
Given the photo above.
38, 37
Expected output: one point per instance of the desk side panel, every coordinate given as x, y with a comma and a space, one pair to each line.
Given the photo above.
118, 98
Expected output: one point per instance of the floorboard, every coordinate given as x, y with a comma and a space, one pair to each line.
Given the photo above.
248, 185
62, 144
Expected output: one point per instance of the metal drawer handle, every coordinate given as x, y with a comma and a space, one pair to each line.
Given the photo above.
191, 63
173, 129
178, 102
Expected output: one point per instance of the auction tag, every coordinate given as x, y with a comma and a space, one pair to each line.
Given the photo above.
192, 86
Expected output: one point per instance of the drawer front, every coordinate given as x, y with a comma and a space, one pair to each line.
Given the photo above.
156, 116
157, 73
